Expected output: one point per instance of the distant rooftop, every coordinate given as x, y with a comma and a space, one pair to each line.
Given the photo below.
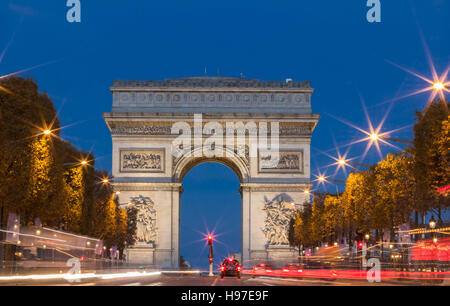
212, 82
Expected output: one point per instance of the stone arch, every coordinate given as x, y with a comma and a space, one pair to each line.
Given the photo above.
190, 160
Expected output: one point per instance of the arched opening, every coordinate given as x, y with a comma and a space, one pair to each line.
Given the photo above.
210, 202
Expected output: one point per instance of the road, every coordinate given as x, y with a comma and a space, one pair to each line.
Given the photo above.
176, 279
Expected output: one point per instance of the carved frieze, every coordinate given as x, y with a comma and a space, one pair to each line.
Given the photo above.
166, 129
142, 160
289, 161
210, 99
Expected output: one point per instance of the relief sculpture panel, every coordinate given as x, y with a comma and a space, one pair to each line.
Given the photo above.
289, 162
279, 212
142, 160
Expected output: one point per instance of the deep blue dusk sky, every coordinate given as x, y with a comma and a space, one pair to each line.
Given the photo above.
327, 42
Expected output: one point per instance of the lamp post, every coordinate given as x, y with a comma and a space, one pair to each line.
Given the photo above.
210, 255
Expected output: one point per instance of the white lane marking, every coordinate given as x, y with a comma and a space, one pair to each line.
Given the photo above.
132, 284
267, 284
154, 284
215, 281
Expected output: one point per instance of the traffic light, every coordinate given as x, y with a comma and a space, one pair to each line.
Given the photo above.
210, 239
210, 260
360, 244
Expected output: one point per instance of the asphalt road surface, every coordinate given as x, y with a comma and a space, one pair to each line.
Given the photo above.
175, 279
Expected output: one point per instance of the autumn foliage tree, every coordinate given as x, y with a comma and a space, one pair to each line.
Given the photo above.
431, 157
41, 175
388, 194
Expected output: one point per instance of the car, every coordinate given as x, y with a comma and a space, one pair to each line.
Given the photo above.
292, 270
230, 267
262, 268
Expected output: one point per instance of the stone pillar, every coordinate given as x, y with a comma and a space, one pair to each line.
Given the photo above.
246, 227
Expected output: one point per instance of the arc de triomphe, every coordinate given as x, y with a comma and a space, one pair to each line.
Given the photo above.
145, 121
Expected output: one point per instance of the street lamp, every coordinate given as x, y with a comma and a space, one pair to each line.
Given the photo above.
343, 162
438, 86
376, 137
432, 223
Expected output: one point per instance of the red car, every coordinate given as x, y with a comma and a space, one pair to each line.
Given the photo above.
230, 267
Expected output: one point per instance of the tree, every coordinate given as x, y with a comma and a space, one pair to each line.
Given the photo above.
317, 229
333, 218
395, 189
27, 157
356, 201
301, 235
430, 161
131, 225
121, 230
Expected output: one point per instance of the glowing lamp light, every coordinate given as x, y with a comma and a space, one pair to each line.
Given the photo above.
321, 178
341, 162
306, 191
438, 86
432, 223
84, 162
47, 132
105, 181
374, 137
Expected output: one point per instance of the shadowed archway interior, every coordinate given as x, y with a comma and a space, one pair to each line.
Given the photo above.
210, 202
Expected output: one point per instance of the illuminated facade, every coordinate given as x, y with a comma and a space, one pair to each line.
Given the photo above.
144, 124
